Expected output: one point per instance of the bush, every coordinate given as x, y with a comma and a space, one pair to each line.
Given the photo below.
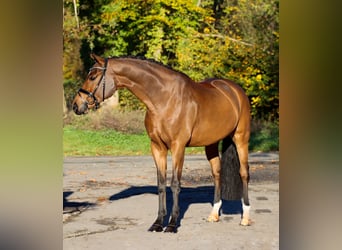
264, 136
127, 122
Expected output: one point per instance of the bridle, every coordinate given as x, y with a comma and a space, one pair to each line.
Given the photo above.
92, 94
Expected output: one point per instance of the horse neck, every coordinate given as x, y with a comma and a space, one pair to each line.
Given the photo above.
146, 80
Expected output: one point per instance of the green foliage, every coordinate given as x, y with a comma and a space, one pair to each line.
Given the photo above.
264, 136
129, 102
256, 22
149, 28
238, 40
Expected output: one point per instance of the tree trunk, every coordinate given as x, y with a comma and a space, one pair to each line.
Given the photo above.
76, 15
65, 109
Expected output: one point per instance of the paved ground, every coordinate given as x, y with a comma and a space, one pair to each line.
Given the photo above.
110, 202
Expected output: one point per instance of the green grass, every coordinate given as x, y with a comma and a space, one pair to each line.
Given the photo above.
77, 142
118, 133
103, 142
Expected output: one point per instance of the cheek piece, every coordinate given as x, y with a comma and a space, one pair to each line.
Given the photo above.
92, 94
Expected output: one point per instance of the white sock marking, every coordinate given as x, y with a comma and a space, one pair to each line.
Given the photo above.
245, 210
217, 206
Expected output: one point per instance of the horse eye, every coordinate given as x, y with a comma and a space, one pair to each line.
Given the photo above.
93, 77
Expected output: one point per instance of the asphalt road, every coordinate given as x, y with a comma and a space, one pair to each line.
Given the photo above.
110, 202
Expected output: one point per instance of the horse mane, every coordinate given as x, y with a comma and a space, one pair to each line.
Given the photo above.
151, 60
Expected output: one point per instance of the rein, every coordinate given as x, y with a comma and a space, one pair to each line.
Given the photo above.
102, 79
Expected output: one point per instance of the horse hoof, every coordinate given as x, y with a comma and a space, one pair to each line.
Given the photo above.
246, 222
213, 218
170, 229
156, 228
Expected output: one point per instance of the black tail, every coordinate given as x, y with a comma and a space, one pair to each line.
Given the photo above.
231, 184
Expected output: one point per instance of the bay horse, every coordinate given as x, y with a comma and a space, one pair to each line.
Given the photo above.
181, 113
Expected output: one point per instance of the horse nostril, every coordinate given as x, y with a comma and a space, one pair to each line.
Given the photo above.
75, 108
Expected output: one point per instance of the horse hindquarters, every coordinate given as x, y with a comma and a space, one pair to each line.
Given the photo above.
231, 184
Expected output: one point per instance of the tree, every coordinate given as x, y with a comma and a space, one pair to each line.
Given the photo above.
235, 39
72, 65
149, 28
256, 67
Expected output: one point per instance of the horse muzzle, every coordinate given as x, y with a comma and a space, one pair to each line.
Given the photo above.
80, 109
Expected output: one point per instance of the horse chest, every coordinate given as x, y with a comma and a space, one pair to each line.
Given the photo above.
167, 130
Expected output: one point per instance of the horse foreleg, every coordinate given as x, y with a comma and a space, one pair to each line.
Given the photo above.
159, 153
214, 160
177, 151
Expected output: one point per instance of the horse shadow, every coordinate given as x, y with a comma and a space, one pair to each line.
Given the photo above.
71, 207
187, 196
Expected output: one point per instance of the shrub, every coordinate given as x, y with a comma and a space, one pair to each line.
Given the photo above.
128, 122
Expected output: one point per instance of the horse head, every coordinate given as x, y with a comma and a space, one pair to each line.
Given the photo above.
98, 86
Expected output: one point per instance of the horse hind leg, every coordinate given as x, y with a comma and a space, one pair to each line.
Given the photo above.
241, 142
214, 160
244, 173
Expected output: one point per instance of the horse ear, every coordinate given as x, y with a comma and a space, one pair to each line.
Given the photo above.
97, 58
